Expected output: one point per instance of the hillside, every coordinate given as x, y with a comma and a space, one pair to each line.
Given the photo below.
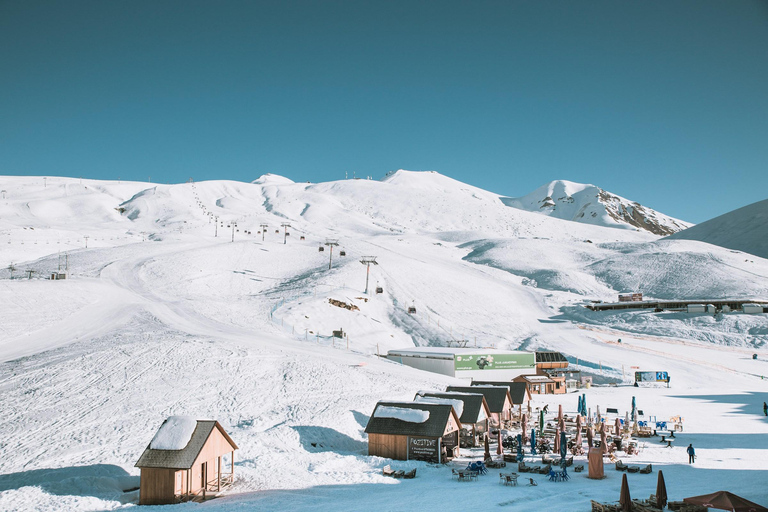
179, 305
592, 205
744, 229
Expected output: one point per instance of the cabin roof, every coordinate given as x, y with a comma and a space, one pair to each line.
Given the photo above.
433, 427
184, 458
473, 403
494, 395
517, 390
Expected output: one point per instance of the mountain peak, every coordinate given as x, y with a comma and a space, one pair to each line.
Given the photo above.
590, 204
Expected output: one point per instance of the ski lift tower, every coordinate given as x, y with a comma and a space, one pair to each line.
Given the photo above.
285, 225
368, 261
330, 242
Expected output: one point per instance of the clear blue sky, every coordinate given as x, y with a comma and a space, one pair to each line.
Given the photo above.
665, 102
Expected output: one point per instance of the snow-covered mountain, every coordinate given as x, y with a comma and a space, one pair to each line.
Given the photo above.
744, 229
592, 205
178, 303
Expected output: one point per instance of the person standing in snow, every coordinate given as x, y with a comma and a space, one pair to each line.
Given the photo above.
765, 408
691, 454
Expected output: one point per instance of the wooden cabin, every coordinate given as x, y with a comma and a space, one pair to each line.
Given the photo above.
474, 416
194, 471
542, 384
497, 397
413, 431
518, 392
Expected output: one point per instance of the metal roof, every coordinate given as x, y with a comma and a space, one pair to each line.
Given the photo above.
433, 427
517, 390
494, 395
185, 458
473, 404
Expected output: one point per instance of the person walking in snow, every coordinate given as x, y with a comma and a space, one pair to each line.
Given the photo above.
691, 454
765, 408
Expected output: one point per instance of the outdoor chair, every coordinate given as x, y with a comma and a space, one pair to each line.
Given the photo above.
579, 468
532, 482
522, 468
546, 470
388, 471
620, 466
410, 474
399, 474
647, 469
508, 478
633, 469
569, 461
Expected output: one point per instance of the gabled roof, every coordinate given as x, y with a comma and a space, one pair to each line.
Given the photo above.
185, 458
517, 390
474, 403
433, 427
494, 395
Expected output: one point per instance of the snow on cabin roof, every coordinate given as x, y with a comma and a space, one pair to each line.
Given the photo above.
473, 411
495, 396
517, 390
439, 415
402, 414
184, 458
174, 433
458, 405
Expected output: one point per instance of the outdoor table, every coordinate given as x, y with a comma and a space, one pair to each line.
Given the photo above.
669, 443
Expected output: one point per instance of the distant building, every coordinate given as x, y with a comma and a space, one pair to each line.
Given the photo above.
468, 363
413, 431
497, 397
184, 461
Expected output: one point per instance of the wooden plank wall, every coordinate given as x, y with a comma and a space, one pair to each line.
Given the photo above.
157, 486
388, 446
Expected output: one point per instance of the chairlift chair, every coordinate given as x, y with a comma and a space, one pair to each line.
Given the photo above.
412, 310
277, 231
379, 289
342, 253
301, 238
321, 248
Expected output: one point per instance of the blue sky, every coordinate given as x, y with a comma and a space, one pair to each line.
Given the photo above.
665, 103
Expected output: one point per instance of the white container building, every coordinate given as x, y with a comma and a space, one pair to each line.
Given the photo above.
468, 363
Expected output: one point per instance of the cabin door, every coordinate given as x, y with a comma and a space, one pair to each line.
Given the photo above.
204, 475
178, 488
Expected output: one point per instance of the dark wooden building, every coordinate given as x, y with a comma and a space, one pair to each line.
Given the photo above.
475, 414
497, 397
413, 431
518, 392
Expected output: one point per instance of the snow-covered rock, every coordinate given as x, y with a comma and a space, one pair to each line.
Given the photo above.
592, 205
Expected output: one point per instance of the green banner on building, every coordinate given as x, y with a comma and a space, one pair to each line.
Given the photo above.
464, 362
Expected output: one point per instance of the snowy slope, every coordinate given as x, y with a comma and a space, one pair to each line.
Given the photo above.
744, 229
592, 205
179, 320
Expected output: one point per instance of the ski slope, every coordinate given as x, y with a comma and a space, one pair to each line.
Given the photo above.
163, 314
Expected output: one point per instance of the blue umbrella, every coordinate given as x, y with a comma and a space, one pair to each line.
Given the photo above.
583, 404
578, 407
533, 441
519, 447
563, 447
634, 408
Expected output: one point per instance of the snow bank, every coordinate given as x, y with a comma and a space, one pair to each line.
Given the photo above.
402, 414
458, 405
174, 433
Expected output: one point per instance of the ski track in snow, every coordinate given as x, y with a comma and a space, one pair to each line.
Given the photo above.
191, 324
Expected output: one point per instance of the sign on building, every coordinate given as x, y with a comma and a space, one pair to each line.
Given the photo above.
651, 376
467, 362
420, 448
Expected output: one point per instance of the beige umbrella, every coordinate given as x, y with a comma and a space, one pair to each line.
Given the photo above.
661, 491
525, 429
603, 438
577, 442
557, 439
618, 427
560, 413
590, 436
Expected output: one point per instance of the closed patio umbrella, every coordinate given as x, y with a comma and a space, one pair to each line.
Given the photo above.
634, 409
577, 442
724, 500
624, 498
590, 436
533, 442
519, 447
661, 491
563, 448
487, 449
618, 427
524, 425
578, 406
603, 438
557, 439
598, 414
541, 420
584, 404
499, 448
